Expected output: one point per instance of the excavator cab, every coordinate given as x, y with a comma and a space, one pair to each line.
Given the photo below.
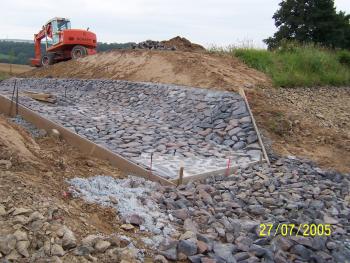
57, 26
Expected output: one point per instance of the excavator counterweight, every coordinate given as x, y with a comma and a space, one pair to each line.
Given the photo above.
62, 43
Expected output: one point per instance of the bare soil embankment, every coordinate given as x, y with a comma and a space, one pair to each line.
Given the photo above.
196, 69
313, 123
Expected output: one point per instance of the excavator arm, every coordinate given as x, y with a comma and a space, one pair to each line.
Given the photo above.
45, 32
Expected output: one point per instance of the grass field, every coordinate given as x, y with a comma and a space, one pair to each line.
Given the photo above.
14, 68
295, 65
8, 70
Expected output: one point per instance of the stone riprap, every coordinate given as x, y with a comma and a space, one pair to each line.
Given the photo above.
218, 219
221, 216
196, 128
151, 44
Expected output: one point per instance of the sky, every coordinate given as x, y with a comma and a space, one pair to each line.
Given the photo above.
207, 22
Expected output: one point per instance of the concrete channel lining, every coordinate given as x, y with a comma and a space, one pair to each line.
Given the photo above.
86, 146
190, 172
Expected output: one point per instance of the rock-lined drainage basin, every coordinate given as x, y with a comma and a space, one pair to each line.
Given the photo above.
199, 129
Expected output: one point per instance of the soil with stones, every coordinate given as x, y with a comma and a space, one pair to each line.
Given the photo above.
219, 219
216, 220
183, 44
310, 122
39, 219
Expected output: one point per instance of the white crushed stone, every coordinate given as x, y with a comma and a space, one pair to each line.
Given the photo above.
133, 196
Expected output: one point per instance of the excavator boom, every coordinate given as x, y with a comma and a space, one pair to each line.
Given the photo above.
45, 31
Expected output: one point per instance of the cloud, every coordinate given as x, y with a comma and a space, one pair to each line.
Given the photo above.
220, 22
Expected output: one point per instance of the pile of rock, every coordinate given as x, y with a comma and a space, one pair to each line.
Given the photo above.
151, 44
221, 217
183, 44
42, 237
131, 198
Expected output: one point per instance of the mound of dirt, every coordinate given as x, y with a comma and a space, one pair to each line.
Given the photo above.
177, 67
15, 144
183, 44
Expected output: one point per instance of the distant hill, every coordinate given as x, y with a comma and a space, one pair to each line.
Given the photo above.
19, 51
16, 40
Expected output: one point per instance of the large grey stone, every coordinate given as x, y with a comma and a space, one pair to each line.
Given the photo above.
187, 247
7, 243
224, 252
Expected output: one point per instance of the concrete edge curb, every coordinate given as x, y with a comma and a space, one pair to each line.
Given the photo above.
266, 158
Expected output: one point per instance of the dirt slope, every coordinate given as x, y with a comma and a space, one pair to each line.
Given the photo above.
174, 67
313, 123
15, 144
44, 164
33, 174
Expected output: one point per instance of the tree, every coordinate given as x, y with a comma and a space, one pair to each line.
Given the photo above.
311, 21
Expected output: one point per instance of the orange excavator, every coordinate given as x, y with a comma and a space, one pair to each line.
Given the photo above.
62, 43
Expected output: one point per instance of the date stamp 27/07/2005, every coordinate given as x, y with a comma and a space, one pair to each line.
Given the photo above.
306, 230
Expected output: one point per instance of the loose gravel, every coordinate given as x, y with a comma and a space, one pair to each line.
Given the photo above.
130, 197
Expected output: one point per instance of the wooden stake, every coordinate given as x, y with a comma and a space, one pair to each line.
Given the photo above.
12, 98
228, 167
151, 163
181, 176
16, 101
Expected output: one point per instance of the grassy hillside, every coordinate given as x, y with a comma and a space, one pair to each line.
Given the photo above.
8, 70
2, 76
295, 65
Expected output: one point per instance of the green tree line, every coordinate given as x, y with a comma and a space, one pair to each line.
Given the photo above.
310, 21
21, 52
